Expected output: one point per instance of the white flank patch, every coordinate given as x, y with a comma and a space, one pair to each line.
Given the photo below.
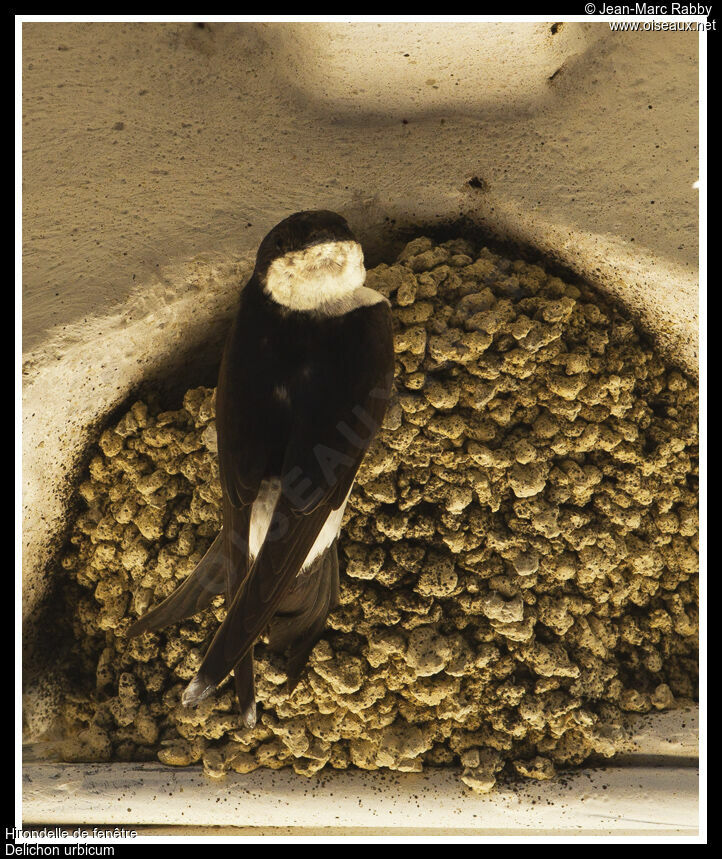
262, 512
327, 534
327, 278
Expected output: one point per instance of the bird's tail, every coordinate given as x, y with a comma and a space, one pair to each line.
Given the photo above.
301, 616
273, 583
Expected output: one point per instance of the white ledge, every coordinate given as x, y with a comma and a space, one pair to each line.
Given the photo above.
629, 797
615, 800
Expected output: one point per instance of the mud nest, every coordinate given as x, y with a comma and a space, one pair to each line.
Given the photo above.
519, 555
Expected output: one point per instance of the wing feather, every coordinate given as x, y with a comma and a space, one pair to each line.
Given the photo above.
193, 595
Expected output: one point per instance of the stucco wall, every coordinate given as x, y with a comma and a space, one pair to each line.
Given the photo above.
155, 157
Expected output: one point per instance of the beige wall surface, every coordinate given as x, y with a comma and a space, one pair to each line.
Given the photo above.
156, 156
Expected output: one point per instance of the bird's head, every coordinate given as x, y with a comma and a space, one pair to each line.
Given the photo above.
310, 260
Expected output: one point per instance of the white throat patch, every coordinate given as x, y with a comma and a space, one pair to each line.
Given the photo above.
327, 278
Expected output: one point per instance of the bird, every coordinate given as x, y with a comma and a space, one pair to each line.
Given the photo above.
303, 387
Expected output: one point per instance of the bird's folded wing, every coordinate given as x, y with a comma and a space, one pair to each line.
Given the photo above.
244, 433
321, 460
236, 521
193, 595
